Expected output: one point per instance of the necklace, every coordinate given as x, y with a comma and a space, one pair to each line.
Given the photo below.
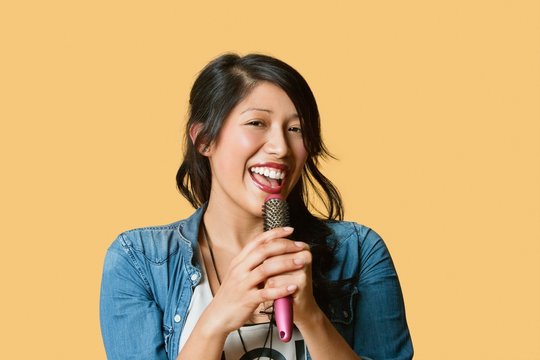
268, 334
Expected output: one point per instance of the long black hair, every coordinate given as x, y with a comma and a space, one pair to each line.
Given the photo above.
220, 86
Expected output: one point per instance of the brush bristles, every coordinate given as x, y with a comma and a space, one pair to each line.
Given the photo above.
275, 214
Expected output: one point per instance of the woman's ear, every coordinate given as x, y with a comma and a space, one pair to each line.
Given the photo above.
203, 149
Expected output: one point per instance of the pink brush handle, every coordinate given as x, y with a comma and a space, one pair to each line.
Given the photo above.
284, 317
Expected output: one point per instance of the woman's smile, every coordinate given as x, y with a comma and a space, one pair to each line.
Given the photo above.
269, 176
262, 140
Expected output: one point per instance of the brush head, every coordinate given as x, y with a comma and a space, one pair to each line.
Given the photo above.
275, 213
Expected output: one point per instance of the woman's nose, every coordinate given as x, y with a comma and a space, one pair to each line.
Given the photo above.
276, 143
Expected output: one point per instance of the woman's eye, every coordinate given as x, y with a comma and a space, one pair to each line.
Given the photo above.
295, 129
255, 123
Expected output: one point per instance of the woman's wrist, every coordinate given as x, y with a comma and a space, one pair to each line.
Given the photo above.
211, 328
314, 317
205, 341
322, 338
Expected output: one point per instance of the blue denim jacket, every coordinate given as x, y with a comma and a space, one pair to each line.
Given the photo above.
150, 273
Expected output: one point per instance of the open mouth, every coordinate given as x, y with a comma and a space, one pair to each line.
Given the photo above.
268, 179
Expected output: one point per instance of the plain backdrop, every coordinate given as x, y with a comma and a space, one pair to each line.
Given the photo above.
431, 107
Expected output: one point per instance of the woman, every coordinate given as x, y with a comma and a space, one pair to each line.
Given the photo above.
203, 287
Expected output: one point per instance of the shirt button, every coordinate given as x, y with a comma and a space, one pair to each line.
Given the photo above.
177, 318
194, 277
346, 314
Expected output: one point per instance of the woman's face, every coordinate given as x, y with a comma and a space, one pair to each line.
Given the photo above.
259, 151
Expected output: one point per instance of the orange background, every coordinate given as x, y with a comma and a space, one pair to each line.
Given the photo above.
433, 109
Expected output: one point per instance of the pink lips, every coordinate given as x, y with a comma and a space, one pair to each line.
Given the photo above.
266, 188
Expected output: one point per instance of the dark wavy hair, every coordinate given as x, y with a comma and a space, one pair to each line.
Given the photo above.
220, 86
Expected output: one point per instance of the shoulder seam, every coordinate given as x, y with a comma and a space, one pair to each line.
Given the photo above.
172, 226
347, 236
128, 250
131, 241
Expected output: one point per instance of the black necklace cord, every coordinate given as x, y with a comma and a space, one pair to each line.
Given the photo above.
207, 238
270, 329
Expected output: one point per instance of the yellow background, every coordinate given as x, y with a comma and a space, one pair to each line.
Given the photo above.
432, 108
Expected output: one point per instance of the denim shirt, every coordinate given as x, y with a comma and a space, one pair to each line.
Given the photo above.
150, 273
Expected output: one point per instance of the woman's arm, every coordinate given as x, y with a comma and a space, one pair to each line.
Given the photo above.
379, 325
381, 329
206, 341
323, 340
131, 321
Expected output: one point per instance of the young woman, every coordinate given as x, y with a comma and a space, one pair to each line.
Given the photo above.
203, 287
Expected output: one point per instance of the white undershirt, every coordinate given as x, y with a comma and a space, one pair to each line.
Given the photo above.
254, 335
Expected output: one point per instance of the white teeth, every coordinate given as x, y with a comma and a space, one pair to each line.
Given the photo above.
269, 172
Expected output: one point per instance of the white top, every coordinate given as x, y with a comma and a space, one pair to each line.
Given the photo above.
254, 335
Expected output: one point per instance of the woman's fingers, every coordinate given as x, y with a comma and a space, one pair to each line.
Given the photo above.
283, 270
296, 278
263, 238
264, 248
299, 277
302, 256
267, 256
247, 281
268, 250
268, 294
272, 268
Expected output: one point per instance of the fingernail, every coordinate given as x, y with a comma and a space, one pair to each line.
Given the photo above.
288, 228
299, 261
299, 244
292, 287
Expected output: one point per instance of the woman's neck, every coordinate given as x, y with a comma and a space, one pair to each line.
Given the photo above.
229, 228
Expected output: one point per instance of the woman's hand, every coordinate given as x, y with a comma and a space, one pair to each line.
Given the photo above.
304, 304
245, 285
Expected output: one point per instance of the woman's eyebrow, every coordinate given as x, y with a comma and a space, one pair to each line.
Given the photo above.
256, 109
293, 116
